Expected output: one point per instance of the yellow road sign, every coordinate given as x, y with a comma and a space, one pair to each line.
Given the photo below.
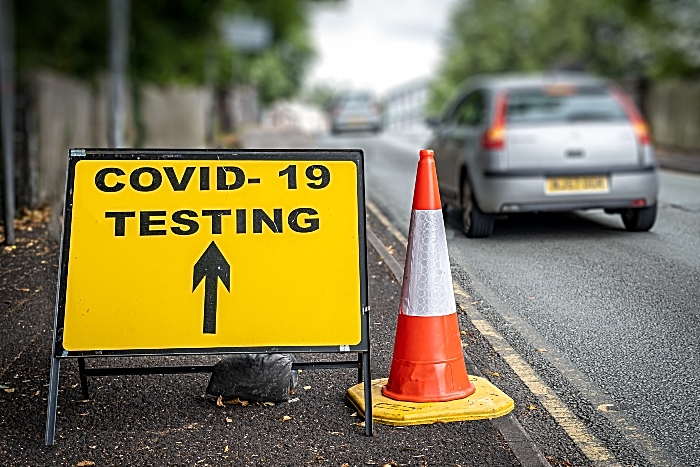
212, 250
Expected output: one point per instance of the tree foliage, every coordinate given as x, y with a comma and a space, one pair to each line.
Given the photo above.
69, 36
279, 71
170, 41
615, 38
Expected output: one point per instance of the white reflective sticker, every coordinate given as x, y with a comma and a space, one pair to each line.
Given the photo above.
427, 280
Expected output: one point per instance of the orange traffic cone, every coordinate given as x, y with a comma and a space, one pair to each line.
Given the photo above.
428, 364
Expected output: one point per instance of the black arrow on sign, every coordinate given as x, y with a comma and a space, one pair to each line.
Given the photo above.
213, 266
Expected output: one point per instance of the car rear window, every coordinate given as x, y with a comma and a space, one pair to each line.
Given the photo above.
356, 101
562, 104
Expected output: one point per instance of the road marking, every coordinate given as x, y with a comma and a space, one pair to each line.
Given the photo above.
591, 446
520, 443
644, 445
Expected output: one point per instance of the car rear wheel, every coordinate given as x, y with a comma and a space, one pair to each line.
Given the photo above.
475, 223
639, 219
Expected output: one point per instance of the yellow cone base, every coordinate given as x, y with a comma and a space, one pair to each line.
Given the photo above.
487, 402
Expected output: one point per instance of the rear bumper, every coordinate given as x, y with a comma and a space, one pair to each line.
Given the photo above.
358, 124
524, 191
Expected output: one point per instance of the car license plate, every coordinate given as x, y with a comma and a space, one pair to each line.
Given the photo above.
587, 184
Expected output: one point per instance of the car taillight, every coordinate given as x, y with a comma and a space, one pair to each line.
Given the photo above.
495, 136
639, 125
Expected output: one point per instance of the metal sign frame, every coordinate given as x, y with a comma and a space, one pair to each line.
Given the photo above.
362, 349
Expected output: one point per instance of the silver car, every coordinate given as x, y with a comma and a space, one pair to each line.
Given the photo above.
511, 144
356, 111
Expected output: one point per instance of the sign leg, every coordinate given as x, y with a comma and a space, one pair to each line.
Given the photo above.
83, 379
53, 401
368, 394
360, 367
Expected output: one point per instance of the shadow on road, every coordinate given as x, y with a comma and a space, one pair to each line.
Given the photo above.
549, 225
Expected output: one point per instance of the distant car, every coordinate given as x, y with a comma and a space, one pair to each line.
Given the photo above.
510, 144
356, 111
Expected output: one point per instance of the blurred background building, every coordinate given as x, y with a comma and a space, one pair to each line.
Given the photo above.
406, 105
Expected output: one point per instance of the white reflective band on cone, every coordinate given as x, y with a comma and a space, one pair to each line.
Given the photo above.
427, 279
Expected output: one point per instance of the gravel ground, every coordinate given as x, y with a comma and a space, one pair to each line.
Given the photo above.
165, 420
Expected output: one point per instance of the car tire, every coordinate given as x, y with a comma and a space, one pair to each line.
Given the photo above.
639, 219
475, 223
445, 209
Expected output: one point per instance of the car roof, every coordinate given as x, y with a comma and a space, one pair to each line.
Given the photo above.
359, 94
511, 81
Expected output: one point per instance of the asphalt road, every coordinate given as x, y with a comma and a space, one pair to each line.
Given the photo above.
614, 315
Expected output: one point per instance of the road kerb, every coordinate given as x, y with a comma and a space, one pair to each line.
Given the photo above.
591, 446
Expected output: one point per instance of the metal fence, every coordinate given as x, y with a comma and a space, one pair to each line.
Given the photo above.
55, 112
674, 114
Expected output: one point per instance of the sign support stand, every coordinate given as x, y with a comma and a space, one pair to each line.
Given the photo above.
53, 401
304, 204
368, 392
362, 364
